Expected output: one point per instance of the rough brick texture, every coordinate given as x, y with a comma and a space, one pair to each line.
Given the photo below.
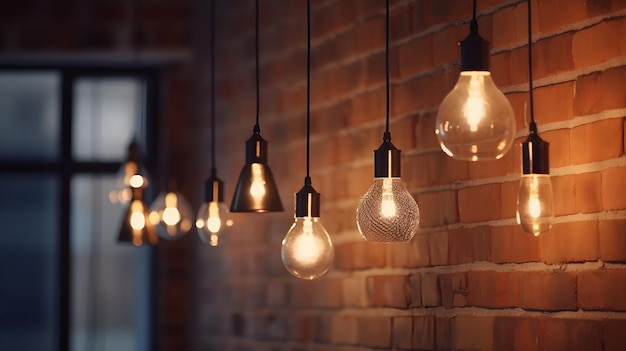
470, 279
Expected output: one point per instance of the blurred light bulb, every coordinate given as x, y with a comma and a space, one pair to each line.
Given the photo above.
171, 215
387, 212
475, 120
257, 189
213, 223
129, 176
307, 250
535, 203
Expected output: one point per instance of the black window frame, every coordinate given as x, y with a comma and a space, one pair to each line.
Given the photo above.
65, 167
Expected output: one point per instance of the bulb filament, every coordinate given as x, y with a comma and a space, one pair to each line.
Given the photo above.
388, 206
474, 108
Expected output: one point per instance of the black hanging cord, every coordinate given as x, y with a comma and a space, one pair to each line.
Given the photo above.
387, 135
213, 88
532, 126
474, 22
257, 129
307, 180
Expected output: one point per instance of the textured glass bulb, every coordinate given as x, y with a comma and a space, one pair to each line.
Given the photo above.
535, 203
129, 176
307, 250
475, 120
387, 212
213, 222
171, 215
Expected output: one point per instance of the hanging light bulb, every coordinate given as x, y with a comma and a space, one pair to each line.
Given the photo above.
307, 251
256, 190
213, 220
535, 200
475, 120
387, 212
136, 229
171, 215
130, 175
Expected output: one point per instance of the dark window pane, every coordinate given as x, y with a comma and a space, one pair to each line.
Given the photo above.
29, 115
28, 257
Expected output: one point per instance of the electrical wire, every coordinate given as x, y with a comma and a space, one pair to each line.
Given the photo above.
213, 88
308, 88
387, 135
532, 126
257, 129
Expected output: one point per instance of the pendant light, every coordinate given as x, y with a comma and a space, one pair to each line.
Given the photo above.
212, 220
130, 175
387, 212
535, 200
171, 214
136, 228
307, 251
475, 120
256, 190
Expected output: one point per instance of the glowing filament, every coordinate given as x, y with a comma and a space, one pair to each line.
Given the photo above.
214, 222
257, 189
136, 181
171, 216
474, 108
137, 218
388, 205
307, 249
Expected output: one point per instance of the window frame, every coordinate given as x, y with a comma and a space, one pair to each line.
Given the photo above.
65, 167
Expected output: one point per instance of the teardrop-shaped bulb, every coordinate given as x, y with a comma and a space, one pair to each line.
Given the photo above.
171, 215
535, 204
307, 250
213, 222
475, 120
387, 212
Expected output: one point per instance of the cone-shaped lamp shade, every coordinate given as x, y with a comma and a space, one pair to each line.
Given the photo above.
256, 190
136, 228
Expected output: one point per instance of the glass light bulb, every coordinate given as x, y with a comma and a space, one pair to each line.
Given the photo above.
171, 215
535, 203
129, 176
475, 120
213, 222
257, 189
387, 212
307, 250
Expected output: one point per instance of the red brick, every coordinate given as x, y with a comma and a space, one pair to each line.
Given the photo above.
332, 19
599, 43
474, 332
559, 147
467, 245
402, 132
612, 180
493, 289
613, 240
443, 169
445, 46
370, 35
430, 290
360, 255
548, 291
453, 288
565, 184
613, 335
553, 55
415, 56
509, 163
343, 329
546, 110
602, 290
511, 24
516, 333
437, 208
369, 107
569, 12
511, 244
402, 333
571, 334
375, 332
354, 290
438, 248
450, 10
445, 331
423, 335
570, 242
488, 196
589, 141
412, 254
425, 132
389, 291
600, 91
588, 192
415, 291
508, 205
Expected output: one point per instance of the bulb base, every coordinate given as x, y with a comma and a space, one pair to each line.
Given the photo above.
307, 202
387, 161
213, 189
474, 51
535, 155
256, 149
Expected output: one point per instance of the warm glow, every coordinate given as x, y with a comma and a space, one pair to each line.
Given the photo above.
214, 222
474, 108
136, 181
306, 247
257, 189
137, 217
388, 206
171, 216
535, 211
130, 169
307, 250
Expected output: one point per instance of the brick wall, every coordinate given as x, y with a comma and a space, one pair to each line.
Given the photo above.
470, 279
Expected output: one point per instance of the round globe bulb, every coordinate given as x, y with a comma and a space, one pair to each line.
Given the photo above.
475, 120
213, 222
307, 250
171, 215
129, 176
535, 204
387, 212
